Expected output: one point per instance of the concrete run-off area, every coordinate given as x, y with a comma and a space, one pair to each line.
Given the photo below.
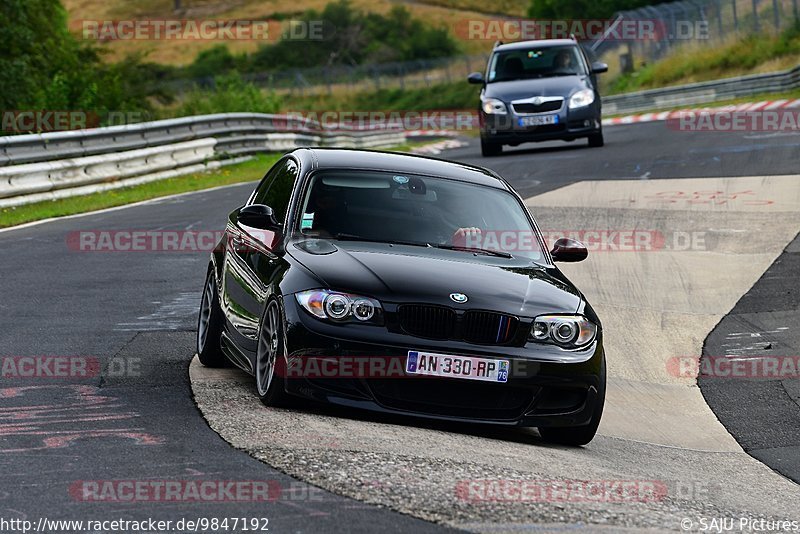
658, 303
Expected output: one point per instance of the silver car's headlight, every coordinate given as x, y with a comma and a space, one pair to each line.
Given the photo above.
568, 331
340, 307
493, 106
581, 99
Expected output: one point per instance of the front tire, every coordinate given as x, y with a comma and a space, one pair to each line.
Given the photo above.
271, 385
580, 435
209, 326
489, 148
596, 139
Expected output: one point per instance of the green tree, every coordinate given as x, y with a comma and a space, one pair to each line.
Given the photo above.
44, 67
352, 37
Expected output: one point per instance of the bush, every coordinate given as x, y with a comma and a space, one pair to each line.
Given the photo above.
353, 37
230, 94
213, 62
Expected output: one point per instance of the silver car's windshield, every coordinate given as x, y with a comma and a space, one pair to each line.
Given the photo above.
530, 63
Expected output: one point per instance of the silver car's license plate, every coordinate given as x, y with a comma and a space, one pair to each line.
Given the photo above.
538, 120
464, 367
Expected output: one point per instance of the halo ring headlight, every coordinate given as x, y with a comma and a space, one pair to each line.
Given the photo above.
337, 306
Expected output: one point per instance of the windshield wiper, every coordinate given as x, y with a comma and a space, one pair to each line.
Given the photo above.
476, 250
352, 237
555, 74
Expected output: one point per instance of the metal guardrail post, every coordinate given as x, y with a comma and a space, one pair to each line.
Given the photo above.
755, 16
776, 14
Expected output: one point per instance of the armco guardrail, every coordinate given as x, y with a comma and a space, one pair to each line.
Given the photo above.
58, 164
703, 92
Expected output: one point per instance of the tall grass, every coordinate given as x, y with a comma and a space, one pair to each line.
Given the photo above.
702, 63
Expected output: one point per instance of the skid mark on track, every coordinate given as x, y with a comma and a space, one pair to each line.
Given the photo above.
176, 314
27, 424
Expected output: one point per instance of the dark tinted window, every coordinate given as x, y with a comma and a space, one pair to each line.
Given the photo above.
276, 189
541, 62
389, 207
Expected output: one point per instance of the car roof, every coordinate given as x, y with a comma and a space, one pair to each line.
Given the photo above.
541, 43
343, 158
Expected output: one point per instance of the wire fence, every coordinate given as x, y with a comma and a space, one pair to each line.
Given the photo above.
697, 22
329, 79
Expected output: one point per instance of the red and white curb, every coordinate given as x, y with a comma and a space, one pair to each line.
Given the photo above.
439, 147
766, 105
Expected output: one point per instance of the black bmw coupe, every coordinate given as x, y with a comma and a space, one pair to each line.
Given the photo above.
404, 285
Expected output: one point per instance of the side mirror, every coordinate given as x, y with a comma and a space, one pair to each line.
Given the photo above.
569, 250
258, 216
599, 67
475, 78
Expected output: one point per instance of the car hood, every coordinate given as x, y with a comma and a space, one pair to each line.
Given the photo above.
518, 89
414, 274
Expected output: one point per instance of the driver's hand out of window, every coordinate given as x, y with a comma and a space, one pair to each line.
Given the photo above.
467, 237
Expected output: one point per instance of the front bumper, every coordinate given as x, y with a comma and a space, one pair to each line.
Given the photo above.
571, 124
541, 391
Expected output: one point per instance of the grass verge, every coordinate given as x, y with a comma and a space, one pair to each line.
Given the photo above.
248, 171
242, 172
454, 95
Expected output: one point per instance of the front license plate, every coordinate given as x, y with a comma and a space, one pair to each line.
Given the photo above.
464, 367
539, 120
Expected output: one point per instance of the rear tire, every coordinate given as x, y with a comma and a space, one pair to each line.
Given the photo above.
209, 326
580, 435
489, 149
596, 140
270, 382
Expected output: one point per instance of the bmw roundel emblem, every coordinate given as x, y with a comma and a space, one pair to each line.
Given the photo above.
460, 298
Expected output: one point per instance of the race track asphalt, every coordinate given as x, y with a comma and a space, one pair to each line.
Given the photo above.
140, 307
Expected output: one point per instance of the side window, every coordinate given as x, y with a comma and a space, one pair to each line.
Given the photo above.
276, 189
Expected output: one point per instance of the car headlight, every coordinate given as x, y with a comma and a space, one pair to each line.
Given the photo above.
568, 331
582, 98
340, 307
493, 106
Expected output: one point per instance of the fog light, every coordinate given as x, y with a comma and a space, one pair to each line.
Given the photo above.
540, 330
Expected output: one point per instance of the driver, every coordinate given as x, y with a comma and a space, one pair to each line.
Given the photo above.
564, 61
456, 212
330, 211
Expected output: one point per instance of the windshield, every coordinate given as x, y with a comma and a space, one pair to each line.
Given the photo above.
417, 210
541, 62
